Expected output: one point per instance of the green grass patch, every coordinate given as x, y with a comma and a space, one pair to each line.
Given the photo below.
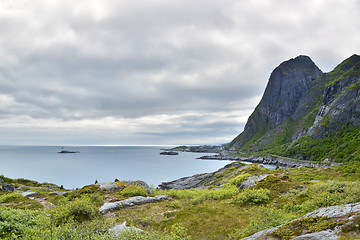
131, 191
250, 196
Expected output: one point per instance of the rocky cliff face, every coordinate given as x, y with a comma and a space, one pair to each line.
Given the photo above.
341, 100
288, 84
299, 101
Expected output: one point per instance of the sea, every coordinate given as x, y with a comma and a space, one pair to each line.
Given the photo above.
101, 163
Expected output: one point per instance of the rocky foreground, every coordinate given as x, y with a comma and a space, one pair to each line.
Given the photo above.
336, 216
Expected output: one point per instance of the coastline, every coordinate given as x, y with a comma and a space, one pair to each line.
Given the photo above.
276, 161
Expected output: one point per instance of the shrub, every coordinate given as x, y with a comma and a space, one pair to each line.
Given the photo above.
9, 197
239, 179
322, 194
199, 195
79, 210
253, 196
16, 223
86, 190
133, 190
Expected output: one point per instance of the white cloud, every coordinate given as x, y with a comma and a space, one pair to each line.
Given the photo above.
154, 71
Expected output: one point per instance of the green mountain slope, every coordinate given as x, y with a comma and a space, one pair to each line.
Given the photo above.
307, 114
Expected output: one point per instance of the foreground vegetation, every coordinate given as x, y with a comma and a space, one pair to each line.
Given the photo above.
220, 212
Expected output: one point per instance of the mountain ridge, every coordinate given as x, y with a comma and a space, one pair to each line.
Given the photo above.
302, 103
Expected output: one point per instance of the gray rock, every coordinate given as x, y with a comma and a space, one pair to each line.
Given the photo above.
1, 180
251, 181
339, 211
111, 187
138, 200
119, 228
186, 182
323, 235
335, 211
203, 180
142, 184
29, 193
8, 187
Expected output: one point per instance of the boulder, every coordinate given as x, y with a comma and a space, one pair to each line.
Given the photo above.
119, 228
111, 187
323, 235
138, 200
29, 194
143, 185
8, 187
251, 181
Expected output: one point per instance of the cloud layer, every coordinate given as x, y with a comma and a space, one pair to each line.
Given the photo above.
154, 72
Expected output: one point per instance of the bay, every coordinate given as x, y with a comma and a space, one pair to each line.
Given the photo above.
101, 163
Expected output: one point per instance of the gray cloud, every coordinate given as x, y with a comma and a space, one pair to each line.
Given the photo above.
147, 72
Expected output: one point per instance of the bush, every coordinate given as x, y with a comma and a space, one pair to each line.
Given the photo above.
9, 197
79, 210
253, 196
133, 190
199, 195
239, 179
322, 194
16, 223
86, 190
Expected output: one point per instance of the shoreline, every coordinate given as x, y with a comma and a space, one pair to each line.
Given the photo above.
276, 161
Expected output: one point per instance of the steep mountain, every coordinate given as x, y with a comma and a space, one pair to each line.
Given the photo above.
307, 114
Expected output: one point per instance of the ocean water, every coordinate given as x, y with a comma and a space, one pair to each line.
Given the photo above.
44, 164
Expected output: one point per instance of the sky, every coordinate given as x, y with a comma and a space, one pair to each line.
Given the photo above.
154, 72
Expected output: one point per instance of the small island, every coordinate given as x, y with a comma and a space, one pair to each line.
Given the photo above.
66, 151
63, 150
169, 153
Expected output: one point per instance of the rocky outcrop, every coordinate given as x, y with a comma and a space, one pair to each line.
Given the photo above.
251, 181
341, 100
203, 180
186, 182
138, 200
335, 213
29, 193
119, 228
322, 235
7, 187
111, 187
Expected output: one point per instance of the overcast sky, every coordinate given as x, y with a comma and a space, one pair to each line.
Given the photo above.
154, 72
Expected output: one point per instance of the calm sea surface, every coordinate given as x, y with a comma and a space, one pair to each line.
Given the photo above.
44, 164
